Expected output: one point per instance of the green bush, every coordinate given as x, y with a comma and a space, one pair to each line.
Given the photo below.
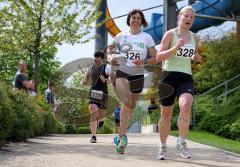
225, 122
26, 123
50, 122
83, 130
6, 114
23, 116
205, 105
235, 130
60, 127
70, 128
221, 59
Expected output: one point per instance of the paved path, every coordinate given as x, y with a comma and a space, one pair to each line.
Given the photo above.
76, 151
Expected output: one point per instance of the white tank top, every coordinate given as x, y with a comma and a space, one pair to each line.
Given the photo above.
181, 60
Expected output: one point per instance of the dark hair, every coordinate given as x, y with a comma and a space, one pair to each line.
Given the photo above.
135, 11
99, 54
51, 84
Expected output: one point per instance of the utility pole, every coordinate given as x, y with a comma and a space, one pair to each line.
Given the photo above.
101, 40
170, 15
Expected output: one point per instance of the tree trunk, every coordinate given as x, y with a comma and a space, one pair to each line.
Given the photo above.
36, 69
37, 48
238, 30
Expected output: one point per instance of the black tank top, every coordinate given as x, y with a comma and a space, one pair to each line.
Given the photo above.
96, 82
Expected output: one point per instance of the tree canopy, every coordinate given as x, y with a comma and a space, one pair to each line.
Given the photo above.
33, 27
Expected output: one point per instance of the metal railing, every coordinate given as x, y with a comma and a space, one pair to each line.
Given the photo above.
220, 85
226, 92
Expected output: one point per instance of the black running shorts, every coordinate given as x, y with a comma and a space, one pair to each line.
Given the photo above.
136, 81
101, 100
178, 82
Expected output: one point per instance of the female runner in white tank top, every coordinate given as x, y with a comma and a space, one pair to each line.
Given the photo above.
177, 49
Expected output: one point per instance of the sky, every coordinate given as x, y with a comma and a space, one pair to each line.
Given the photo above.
67, 53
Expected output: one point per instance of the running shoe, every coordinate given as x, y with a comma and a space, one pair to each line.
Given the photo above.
162, 153
93, 139
183, 150
100, 124
116, 140
122, 144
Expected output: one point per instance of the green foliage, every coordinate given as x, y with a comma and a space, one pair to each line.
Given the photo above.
31, 27
205, 105
84, 130
9, 66
23, 116
27, 121
70, 128
50, 122
7, 115
74, 105
235, 130
224, 122
222, 62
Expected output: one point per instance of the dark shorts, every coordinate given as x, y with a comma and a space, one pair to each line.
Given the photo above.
100, 102
136, 81
172, 85
117, 121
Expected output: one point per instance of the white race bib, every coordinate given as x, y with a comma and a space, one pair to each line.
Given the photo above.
130, 63
96, 94
186, 51
133, 55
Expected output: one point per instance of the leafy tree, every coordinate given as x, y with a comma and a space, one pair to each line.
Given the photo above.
30, 27
222, 57
9, 65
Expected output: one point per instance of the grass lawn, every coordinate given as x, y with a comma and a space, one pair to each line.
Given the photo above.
212, 140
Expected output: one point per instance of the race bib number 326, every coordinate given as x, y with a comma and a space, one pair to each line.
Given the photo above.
132, 55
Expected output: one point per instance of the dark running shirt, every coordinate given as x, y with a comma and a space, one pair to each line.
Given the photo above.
96, 82
18, 80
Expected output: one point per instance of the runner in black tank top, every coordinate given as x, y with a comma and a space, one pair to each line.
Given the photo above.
98, 94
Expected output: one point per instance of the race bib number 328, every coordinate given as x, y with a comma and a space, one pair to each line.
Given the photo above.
186, 51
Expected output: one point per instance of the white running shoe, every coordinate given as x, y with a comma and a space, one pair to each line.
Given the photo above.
162, 153
184, 150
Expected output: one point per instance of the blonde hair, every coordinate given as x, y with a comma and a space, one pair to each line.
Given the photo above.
185, 8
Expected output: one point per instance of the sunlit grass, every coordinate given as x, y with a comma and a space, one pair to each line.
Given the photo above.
212, 140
